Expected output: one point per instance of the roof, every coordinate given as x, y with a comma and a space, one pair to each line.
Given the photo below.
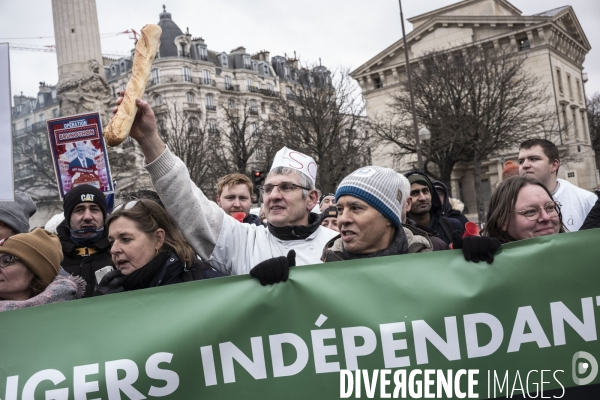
551, 13
170, 31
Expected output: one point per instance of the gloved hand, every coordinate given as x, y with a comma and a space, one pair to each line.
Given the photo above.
476, 248
111, 283
274, 270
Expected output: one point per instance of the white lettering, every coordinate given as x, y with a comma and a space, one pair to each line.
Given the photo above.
276, 342
52, 375
114, 385
390, 346
351, 350
80, 387
526, 316
422, 333
170, 377
561, 314
230, 352
320, 351
474, 350
208, 364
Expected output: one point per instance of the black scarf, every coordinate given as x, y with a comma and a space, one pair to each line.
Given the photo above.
299, 232
398, 246
142, 278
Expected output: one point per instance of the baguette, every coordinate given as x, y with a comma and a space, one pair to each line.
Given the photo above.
119, 126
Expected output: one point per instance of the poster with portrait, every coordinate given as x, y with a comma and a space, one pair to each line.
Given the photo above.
79, 152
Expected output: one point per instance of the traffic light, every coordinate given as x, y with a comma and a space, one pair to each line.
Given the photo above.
258, 178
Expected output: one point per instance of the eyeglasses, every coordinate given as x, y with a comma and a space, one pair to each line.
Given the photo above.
130, 205
284, 188
552, 208
7, 260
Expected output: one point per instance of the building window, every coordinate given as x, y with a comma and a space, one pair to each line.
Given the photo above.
41, 118
26, 122
158, 100
114, 91
122, 67
210, 103
569, 86
189, 96
224, 61
377, 83
187, 74
269, 87
123, 86
575, 128
579, 97
113, 69
258, 85
206, 77
286, 71
255, 66
55, 113
250, 84
523, 44
227, 83
266, 69
253, 105
155, 77
230, 103
247, 63
53, 94
254, 128
559, 81
212, 128
202, 52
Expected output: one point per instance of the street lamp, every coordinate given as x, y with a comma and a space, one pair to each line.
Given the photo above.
424, 134
412, 97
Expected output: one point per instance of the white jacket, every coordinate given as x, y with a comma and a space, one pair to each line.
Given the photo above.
224, 243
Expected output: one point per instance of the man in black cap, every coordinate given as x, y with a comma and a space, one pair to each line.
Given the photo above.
82, 235
426, 208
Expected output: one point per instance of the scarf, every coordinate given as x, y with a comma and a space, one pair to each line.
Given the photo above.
298, 232
81, 237
62, 288
142, 278
398, 246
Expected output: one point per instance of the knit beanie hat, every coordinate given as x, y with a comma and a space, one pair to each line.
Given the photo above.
16, 213
324, 196
418, 178
330, 212
380, 187
510, 169
80, 194
39, 250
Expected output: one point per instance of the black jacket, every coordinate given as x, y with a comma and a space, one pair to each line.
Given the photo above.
593, 218
253, 220
447, 209
442, 225
81, 265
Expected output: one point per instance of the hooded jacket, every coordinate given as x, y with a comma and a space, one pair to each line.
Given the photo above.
84, 265
447, 209
442, 225
221, 241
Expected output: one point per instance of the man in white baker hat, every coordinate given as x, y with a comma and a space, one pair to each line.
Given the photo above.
221, 241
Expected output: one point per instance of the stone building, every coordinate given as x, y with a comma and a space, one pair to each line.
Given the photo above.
555, 47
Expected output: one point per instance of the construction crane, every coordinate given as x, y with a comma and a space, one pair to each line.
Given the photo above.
52, 48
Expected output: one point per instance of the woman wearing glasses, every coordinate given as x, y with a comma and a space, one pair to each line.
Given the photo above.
522, 208
29, 272
148, 250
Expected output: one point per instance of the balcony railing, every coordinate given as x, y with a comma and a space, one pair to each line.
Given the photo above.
229, 87
184, 54
211, 108
267, 92
213, 131
253, 111
252, 89
202, 57
165, 79
290, 96
207, 82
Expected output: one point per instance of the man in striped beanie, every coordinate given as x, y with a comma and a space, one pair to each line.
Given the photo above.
369, 203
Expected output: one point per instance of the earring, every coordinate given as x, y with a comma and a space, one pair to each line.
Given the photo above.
156, 251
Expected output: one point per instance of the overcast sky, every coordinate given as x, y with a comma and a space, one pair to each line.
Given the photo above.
340, 32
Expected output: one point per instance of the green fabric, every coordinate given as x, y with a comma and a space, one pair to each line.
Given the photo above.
182, 319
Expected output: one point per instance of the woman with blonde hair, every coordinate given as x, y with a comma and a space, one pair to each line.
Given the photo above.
148, 250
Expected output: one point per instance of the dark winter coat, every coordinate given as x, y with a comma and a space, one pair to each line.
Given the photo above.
447, 209
438, 244
82, 265
442, 225
593, 218
252, 220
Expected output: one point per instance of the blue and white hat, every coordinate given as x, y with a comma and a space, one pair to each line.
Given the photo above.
378, 186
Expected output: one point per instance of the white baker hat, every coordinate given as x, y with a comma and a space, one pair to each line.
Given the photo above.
298, 161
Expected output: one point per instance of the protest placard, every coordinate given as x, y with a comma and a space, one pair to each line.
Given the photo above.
6, 153
79, 152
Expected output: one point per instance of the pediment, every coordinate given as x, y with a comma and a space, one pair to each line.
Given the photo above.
468, 8
568, 21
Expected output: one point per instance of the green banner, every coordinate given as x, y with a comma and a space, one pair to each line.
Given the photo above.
415, 326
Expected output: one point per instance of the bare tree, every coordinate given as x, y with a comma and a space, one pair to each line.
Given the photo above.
196, 142
593, 113
477, 102
321, 116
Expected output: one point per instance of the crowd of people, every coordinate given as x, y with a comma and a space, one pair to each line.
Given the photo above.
176, 234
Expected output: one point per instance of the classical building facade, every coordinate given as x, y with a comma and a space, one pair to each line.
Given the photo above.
555, 47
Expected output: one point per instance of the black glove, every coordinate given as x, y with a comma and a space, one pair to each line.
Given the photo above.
111, 283
274, 270
476, 248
